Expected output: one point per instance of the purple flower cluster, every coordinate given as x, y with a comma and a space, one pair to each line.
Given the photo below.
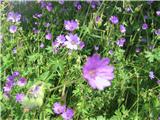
115, 20
66, 113
70, 41
97, 72
11, 81
13, 17
37, 15
47, 5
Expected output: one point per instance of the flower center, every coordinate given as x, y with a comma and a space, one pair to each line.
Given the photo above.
73, 42
92, 73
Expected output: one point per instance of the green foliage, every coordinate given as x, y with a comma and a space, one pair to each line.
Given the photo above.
153, 55
132, 95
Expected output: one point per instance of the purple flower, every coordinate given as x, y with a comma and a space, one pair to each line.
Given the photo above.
20, 97
70, 25
13, 16
145, 26
8, 86
150, 1
97, 72
138, 50
158, 82
14, 50
68, 114
98, 20
61, 39
158, 13
1, 38
37, 15
12, 29
81, 45
72, 42
110, 52
36, 23
145, 17
6, 95
151, 47
35, 91
42, 45
121, 42
55, 46
48, 36
114, 19
58, 108
22, 82
43, 4
122, 28
35, 31
94, 4
157, 32
96, 48
15, 74
49, 6
61, 2
77, 5
47, 24
128, 9
151, 75
10, 78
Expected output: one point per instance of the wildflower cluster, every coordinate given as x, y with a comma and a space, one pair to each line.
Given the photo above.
13, 80
81, 60
70, 41
66, 113
13, 17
